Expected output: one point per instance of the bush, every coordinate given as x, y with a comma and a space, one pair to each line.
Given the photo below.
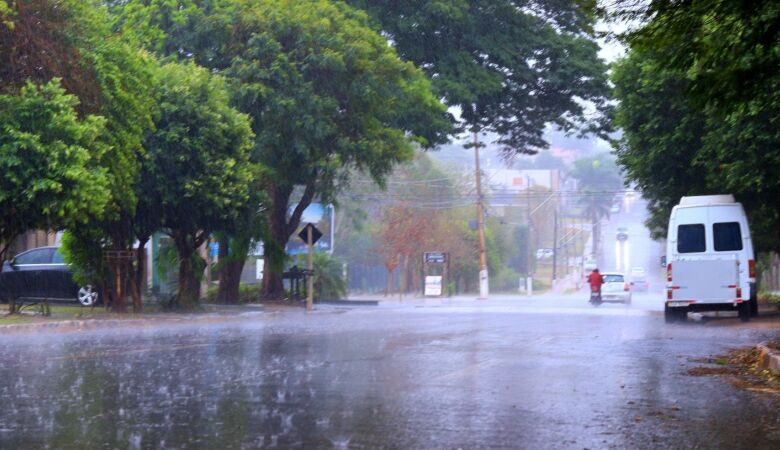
770, 298
247, 293
329, 283
505, 280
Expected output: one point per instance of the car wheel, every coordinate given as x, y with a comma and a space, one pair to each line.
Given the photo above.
743, 310
87, 295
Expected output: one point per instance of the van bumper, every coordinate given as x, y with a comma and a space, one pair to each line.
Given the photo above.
701, 307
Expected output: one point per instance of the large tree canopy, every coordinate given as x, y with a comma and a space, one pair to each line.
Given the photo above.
70, 40
49, 162
326, 94
510, 67
197, 176
700, 107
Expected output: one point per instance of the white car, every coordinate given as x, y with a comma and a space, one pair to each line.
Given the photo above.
615, 288
544, 253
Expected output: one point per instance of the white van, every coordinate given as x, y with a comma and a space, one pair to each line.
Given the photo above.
710, 262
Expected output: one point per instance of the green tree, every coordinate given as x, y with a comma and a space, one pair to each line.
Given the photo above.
49, 157
71, 40
709, 106
197, 173
5, 14
327, 96
598, 178
662, 135
509, 67
333, 100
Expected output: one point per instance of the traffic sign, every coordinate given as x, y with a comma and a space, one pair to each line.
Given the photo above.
315, 234
435, 257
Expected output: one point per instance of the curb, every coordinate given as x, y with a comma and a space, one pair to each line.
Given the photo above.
347, 302
95, 324
768, 358
74, 324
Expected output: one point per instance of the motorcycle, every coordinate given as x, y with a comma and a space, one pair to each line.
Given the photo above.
595, 296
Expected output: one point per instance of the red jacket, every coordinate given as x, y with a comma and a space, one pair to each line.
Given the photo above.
595, 280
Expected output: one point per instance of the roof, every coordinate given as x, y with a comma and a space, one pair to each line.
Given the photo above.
703, 200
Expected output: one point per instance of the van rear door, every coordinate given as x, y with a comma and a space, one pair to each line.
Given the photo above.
703, 281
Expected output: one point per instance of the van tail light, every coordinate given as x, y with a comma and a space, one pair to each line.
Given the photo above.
739, 292
668, 294
752, 268
669, 272
625, 287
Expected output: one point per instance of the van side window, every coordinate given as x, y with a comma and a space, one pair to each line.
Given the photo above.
727, 236
690, 238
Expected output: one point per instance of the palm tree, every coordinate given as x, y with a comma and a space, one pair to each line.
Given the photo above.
598, 178
596, 206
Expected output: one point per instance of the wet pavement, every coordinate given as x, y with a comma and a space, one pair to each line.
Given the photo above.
511, 372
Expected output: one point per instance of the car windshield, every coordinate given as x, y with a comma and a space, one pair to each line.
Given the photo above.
57, 258
613, 278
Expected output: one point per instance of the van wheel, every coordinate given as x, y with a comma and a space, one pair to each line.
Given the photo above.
670, 316
753, 307
675, 314
743, 310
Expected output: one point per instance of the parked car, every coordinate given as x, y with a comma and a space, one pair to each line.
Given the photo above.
615, 288
621, 234
544, 253
710, 260
589, 265
615, 208
638, 279
41, 273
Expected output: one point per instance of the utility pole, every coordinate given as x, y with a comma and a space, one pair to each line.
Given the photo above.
310, 267
529, 282
483, 269
530, 225
555, 246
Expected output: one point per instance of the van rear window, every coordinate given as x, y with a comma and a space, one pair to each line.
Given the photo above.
690, 238
727, 236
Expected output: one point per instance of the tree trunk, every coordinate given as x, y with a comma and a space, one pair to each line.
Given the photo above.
280, 228
232, 256
138, 279
189, 283
389, 282
189, 286
230, 282
274, 252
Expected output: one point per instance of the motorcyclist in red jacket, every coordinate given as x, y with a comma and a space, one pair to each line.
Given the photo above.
595, 280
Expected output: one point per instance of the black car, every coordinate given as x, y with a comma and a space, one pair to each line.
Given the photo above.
41, 273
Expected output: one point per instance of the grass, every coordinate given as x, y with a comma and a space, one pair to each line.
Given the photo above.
65, 312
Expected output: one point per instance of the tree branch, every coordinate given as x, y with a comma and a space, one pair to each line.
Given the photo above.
303, 203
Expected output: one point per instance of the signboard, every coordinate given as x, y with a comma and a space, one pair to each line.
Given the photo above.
433, 286
321, 216
435, 257
259, 265
315, 234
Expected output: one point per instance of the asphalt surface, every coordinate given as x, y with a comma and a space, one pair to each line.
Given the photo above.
510, 372
506, 373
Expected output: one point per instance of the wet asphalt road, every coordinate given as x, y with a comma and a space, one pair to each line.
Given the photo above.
548, 372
